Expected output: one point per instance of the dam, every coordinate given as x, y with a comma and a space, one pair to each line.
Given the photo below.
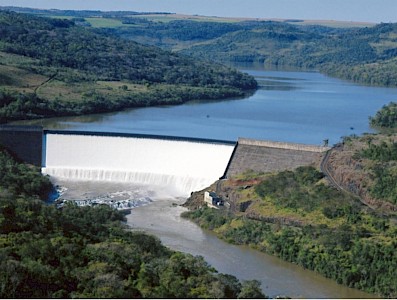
180, 164
183, 164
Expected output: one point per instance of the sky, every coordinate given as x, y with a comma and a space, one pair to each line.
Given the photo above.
375, 11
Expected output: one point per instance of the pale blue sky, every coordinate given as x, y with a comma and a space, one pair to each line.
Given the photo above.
342, 10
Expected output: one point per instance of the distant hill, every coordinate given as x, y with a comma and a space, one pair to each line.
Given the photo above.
361, 52
366, 55
51, 66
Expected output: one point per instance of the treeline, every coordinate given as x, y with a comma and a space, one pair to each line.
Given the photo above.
379, 73
20, 106
362, 55
341, 254
328, 231
87, 252
386, 117
384, 152
22, 180
384, 156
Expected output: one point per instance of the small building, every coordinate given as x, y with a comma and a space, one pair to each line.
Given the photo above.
212, 199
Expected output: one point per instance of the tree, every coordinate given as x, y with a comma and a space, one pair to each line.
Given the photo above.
251, 290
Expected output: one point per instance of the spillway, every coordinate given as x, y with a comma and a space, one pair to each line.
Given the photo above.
181, 165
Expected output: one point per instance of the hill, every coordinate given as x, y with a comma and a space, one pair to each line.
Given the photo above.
361, 52
298, 217
53, 67
364, 53
341, 223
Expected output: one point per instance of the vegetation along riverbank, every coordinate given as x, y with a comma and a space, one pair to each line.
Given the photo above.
347, 233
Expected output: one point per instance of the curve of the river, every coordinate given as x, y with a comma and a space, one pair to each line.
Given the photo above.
162, 218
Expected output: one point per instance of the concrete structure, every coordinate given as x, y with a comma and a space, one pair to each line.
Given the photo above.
24, 142
268, 156
29, 143
212, 199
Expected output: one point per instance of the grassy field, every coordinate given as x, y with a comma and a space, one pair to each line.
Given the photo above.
15, 75
105, 22
76, 92
173, 17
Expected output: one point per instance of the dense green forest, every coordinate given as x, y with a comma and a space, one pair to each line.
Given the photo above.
295, 216
68, 69
88, 252
385, 117
383, 155
365, 55
20, 179
383, 166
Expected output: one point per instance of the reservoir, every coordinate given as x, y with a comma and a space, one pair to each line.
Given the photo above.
300, 107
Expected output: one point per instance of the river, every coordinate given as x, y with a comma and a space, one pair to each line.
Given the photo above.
277, 277
302, 107
158, 213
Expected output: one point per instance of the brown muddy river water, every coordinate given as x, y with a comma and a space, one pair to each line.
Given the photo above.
162, 218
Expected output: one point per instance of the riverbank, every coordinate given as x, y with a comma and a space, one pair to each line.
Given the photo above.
162, 218
296, 216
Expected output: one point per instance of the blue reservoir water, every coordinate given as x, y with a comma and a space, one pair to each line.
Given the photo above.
302, 107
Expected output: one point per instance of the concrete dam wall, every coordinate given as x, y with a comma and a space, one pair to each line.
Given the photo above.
186, 165
23, 142
269, 156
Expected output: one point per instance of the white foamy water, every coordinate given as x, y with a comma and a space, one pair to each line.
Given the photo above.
119, 195
183, 166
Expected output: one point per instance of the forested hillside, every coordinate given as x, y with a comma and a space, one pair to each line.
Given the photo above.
68, 69
361, 54
365, 55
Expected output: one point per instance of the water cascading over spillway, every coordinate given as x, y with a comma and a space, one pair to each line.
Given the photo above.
182, 165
